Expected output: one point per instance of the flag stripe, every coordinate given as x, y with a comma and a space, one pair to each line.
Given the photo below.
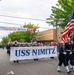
68, 28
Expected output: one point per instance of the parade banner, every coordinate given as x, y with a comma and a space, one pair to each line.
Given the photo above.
12, 28
16, 29
23, 53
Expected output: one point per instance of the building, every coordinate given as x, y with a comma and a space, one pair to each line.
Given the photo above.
49, 35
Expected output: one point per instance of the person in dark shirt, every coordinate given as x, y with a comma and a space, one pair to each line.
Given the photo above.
69, 50
73, 50
16, 45
8, 46
62, 58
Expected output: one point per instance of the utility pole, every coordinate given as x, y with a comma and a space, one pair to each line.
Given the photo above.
56, 32
35, 30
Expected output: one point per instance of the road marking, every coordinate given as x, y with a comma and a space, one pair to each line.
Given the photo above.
11, 72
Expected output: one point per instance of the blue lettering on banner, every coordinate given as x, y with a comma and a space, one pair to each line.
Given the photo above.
43, 51
35, 52
27, 52
22, 53
17, 53
53, 51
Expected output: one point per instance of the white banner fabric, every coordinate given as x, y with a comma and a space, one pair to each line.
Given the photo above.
22, 53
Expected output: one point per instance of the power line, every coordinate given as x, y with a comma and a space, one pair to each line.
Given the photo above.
23, 18
19, 24
27, 18
10, 23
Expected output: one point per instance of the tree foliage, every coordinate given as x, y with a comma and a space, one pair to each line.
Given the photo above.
18, 35
22, 36
30, 25
5, 40
61, 13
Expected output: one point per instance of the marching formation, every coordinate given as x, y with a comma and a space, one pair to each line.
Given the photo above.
66, 56
66, 52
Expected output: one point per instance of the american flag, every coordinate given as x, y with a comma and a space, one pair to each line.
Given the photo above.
68, 27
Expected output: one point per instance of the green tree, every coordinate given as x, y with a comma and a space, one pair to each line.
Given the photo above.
5, 40
30, 25
61, 13
17, 36
22, 36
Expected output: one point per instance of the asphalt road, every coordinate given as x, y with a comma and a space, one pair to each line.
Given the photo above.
46, 66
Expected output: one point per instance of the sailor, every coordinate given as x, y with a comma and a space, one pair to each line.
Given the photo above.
69, 50
16, 45
62, 58
73, 50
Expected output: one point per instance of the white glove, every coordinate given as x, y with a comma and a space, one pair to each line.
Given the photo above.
70, 53
64, 53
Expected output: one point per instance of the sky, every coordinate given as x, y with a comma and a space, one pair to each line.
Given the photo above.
35, 9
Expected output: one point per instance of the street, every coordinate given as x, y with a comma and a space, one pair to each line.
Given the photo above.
46, 66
